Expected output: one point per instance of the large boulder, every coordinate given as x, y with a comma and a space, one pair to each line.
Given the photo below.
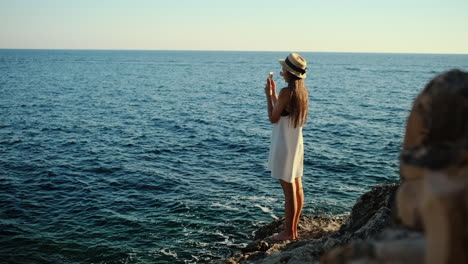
433, 195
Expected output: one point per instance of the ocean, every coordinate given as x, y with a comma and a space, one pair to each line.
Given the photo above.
160, 156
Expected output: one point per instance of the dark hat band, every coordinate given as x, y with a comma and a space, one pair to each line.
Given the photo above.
294, 67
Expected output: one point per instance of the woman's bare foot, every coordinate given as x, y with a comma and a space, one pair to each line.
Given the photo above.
280, 237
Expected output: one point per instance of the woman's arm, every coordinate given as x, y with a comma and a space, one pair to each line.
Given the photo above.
275, 104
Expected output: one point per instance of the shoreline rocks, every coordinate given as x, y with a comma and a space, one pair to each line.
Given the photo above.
371, 214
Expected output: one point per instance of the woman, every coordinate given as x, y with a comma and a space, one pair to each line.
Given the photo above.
288, 113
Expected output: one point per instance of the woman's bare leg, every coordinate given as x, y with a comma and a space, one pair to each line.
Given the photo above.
300, 204
290, 208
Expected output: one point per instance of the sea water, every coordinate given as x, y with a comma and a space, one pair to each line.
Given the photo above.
160, 156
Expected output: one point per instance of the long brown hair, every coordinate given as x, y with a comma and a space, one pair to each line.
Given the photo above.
299, 100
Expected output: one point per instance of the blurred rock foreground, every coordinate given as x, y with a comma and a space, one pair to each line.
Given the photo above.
421, 220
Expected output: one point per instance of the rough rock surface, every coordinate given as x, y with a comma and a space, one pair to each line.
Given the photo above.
433, 195
369, 216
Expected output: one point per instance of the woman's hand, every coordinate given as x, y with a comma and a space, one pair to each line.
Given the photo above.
270, 87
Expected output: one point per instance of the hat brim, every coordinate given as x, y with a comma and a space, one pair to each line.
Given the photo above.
295, 73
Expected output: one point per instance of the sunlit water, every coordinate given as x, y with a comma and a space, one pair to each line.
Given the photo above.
160, 156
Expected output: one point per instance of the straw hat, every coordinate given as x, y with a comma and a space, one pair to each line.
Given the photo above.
295, 64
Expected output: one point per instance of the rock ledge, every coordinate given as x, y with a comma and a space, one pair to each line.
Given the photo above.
369, 216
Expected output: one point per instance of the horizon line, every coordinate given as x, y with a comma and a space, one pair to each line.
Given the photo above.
220, 50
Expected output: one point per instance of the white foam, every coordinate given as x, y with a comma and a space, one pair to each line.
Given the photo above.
168, 252
351, 188
264, 209
218, 233
274, 216
194, 260
226, 239
267, 210
225, 206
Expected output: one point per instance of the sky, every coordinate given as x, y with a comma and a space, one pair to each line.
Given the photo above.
394, 26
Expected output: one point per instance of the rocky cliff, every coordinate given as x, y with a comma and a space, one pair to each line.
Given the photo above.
370, 215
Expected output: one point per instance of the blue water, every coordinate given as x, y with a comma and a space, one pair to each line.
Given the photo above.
160, 156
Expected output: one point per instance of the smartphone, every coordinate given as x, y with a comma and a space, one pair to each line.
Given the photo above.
271, 75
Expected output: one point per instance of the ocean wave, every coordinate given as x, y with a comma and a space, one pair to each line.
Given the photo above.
11, 142
224, 206
104, 170
168, 252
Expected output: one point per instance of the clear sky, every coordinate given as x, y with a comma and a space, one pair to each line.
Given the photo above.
415, 26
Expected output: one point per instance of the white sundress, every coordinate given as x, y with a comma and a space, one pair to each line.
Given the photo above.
286, 159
